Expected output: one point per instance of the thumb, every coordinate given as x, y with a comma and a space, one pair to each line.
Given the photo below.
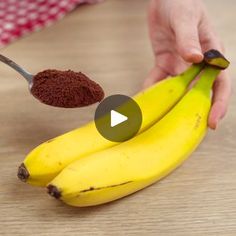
187, 41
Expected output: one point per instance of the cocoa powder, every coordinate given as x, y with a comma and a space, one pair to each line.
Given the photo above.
66, 89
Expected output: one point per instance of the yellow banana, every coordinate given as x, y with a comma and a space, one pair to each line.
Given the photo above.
126, 168
48, 159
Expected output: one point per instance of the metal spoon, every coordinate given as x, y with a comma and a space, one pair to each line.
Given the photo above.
29, 77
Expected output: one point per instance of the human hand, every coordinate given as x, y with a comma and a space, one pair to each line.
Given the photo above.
180, 32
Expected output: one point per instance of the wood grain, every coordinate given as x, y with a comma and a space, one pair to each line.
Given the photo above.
110, 43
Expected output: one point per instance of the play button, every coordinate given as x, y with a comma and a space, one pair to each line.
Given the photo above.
118, 118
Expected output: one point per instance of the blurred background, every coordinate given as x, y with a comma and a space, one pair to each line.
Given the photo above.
109, 42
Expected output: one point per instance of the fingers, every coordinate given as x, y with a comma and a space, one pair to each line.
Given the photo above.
221, 97
222, 86
187, 41
155, 75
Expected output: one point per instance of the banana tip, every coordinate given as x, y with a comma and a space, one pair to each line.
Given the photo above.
54, 191
23, 173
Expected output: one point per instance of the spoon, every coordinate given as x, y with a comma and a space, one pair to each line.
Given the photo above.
29, 77
67, 89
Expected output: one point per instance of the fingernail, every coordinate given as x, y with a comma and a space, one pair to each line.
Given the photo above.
196, 50
194, 55
216, 124
197, 54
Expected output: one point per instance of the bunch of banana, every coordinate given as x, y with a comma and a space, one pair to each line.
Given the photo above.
47, 160
108, 171
124, 169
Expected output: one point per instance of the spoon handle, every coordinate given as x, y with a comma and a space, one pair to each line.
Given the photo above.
12, 64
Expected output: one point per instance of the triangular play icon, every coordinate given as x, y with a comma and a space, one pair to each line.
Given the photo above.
117, 118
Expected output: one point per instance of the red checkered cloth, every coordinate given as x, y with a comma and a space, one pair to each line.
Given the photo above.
21, 17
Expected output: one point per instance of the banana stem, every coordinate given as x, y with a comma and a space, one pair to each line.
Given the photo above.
192, 72
207, 79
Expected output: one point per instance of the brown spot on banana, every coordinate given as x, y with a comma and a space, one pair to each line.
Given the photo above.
51, 140
198, 121
99, 188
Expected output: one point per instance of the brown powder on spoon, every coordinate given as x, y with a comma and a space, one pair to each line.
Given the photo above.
66, 89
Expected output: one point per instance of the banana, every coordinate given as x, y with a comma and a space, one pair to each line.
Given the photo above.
133, 165
49, 158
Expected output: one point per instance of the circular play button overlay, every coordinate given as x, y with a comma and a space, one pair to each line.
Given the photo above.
118, 118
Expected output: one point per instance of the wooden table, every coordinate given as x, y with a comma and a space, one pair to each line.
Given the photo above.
110, 43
